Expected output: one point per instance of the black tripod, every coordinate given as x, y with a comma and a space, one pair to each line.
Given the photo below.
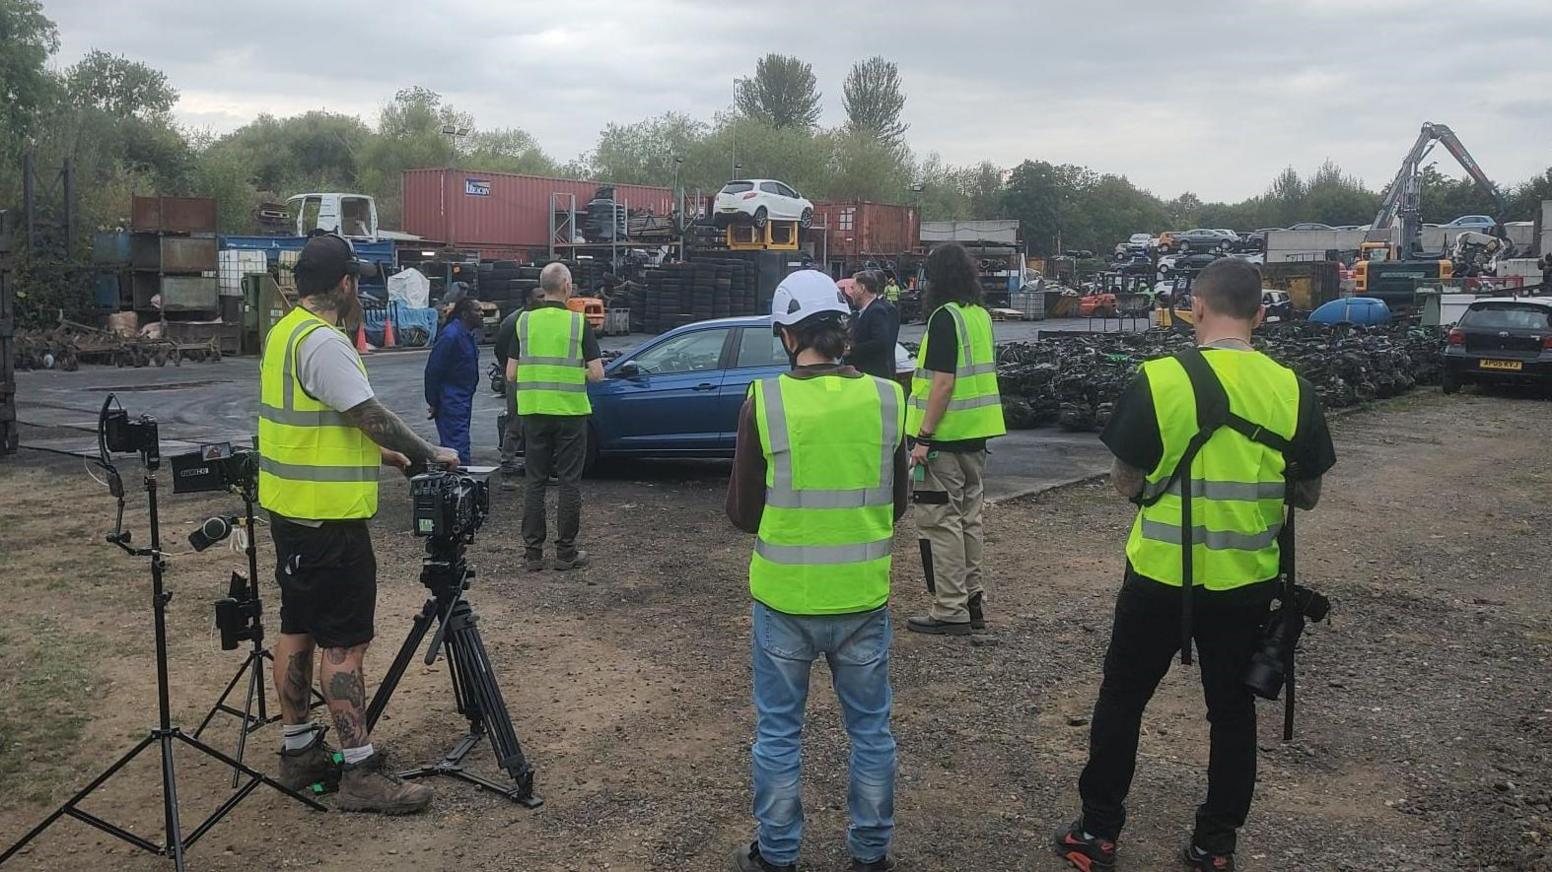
259, 656
478, 696
175, 843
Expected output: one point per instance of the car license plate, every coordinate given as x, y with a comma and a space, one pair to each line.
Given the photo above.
1508, 365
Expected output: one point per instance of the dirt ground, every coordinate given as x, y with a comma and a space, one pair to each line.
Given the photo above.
1425, 733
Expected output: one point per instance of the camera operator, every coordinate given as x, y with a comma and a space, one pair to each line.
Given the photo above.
1237, 500
322, 437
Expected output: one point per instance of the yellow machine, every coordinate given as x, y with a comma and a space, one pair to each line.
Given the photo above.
774, 236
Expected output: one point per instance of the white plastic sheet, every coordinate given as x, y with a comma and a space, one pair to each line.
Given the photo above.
410, 287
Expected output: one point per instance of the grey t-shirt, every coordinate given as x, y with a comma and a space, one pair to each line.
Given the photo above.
330, 371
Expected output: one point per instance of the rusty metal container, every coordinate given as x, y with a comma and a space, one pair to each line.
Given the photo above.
173, 254
489, 210
179, 293
173, 215
864, 228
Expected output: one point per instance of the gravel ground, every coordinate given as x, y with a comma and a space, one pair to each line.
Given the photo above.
1425, 733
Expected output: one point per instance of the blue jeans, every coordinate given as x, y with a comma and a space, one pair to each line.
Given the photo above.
857, 649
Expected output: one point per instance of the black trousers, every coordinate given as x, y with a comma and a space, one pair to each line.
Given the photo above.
1143, 643
553, 445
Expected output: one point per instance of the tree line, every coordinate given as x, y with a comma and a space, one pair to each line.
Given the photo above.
113, 116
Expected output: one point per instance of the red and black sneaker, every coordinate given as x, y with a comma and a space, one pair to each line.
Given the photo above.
1201, 861
1085, 852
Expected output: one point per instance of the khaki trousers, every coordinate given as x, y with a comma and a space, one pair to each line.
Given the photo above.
949, 502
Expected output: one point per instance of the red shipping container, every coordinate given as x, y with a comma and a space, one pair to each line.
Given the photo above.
477, 209
863, 228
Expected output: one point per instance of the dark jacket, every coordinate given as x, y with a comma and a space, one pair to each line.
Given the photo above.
746, 486
453, 369
875, 331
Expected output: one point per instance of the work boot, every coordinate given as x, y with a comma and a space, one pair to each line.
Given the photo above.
882, 864
372, 787
934, 627
577, 560
977, 616
533, 561
315, 764
1085, 852
1201, 861
749, 860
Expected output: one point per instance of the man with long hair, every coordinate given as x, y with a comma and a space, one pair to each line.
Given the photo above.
954, 408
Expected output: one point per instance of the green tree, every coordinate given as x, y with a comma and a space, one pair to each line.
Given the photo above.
1528, 197
27, 40
873, 100
120, 87
506, 150
647, 152
782, 93
864, 167
409, 136
313, 151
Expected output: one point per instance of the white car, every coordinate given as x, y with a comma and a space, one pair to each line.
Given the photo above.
760, 200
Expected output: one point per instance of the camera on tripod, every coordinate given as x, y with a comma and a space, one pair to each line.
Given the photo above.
449, 505
121, 434
215, 467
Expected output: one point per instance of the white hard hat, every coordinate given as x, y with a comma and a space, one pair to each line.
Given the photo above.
804, 294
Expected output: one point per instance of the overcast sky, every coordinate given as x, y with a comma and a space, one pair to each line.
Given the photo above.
1211, 97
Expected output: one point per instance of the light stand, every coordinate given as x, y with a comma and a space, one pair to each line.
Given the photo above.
259, 656
175, 844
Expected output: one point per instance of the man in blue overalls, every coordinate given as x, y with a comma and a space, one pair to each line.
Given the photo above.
453, 375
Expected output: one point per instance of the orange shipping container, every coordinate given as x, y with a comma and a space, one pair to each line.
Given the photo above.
475, 209
862, 228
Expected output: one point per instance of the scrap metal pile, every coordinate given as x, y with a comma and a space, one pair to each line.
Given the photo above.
1074, 381
68, 345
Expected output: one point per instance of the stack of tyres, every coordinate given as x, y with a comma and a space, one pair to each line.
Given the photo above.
495, 282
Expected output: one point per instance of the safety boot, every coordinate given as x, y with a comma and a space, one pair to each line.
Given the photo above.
370, 786
977, 614
315, 764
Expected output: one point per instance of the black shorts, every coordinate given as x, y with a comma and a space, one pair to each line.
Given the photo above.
328, 581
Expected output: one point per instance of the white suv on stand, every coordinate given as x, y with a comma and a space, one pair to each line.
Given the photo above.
760, 200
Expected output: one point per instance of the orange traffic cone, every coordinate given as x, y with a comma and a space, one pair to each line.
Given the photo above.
388, 330
361, 346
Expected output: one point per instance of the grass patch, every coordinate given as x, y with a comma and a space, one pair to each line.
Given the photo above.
49, 688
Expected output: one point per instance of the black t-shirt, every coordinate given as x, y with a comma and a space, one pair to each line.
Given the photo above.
943, 356
590, 351
1133, 432
506, 338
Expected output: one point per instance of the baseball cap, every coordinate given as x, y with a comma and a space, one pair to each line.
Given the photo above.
325, 260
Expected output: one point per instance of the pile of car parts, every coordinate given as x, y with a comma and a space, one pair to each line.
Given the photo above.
1074, 381
68, 345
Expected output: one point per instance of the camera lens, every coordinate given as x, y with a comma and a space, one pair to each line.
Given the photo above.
209, 533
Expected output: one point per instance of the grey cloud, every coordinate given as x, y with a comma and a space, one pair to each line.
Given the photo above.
1204, 97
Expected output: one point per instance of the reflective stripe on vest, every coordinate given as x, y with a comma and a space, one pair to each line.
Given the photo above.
974, 409
1237, 485
313, 465
827, 532
551, 374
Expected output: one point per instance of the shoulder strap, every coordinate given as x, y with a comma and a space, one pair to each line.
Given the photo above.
1215, 406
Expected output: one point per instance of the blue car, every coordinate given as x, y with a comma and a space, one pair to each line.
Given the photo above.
678, 394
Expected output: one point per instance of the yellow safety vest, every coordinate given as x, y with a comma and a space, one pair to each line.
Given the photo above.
312, 464
551, 374
1237, 485
827, 532
975, 408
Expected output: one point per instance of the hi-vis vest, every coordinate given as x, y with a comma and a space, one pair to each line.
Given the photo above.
827, 531
551, 375
312, 464
1237, 485
975, 408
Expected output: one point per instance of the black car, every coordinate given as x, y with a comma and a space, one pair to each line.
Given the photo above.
1500, 340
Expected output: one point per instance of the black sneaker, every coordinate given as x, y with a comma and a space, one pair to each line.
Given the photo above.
934, 627
1202, 861
882, 864
578, 560
1087, 853
533, 562
977, 614
749, 860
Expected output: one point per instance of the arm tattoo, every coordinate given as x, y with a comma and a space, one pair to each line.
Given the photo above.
388, 430
1128, 479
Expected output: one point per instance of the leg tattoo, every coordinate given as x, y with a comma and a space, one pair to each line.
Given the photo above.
346, 693
297, 686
